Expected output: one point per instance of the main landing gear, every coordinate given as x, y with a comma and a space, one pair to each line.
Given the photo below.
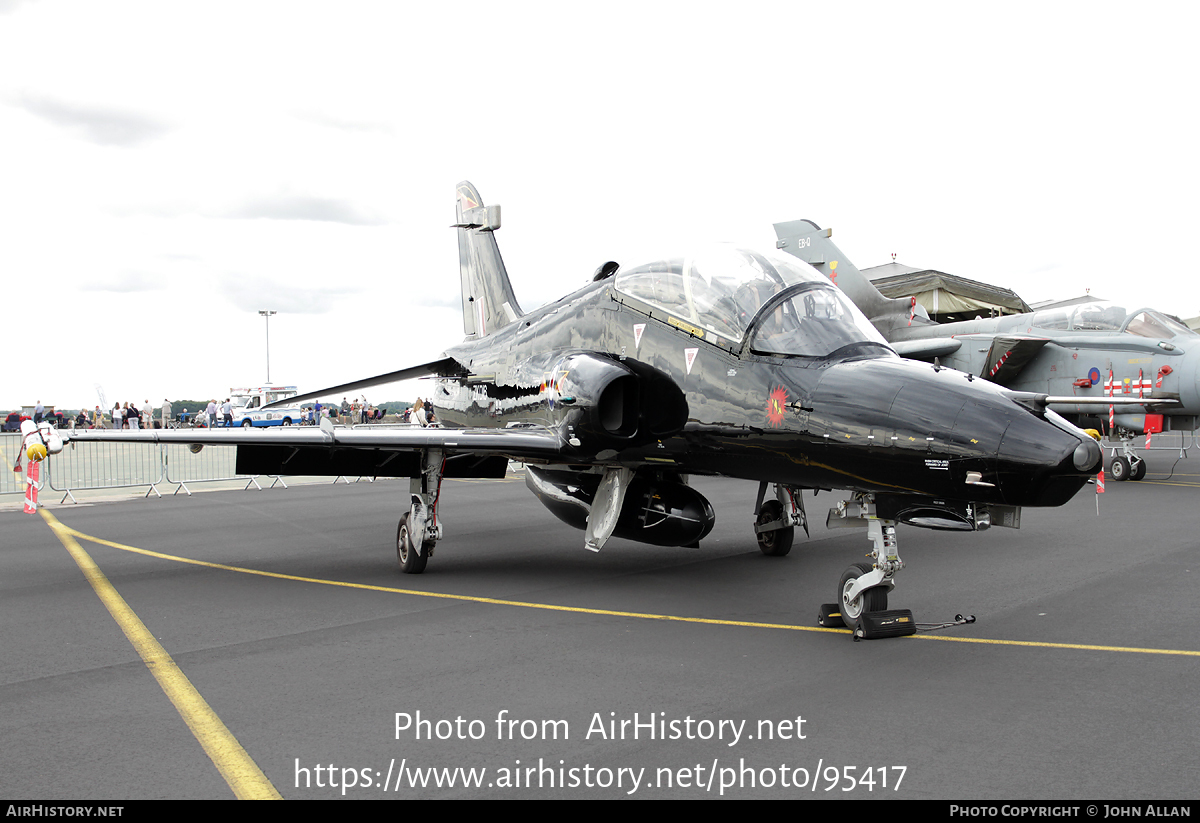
419, 528
775, 520
1127, 465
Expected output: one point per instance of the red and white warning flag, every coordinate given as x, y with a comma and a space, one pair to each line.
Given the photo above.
33, 471
1112, 410
1100, 482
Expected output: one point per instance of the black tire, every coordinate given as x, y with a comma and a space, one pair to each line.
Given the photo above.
1120, 469
872, 600
410, 561
1137, 471
246, 423
287, 421
775, 543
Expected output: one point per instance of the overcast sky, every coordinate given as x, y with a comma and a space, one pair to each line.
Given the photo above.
169, 169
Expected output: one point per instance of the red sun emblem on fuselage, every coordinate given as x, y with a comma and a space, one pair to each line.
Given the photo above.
775, 405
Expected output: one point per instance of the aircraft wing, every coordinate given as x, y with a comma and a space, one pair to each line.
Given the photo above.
373, 451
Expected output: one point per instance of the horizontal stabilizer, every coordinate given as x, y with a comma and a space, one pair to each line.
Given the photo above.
444, 367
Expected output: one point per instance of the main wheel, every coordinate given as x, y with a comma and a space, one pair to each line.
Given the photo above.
410, 561
1138, 470
1120, 469
872, 600
778, 542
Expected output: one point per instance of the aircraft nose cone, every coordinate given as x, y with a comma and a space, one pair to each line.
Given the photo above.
1087, 456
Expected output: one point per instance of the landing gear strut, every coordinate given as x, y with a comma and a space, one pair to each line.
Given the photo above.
419, 528
1127, 466
864, 586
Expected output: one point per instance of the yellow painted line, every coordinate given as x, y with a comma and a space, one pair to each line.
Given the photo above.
235, 765
610, 612
1083, 646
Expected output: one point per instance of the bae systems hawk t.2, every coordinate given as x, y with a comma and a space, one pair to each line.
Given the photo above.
1127, 371
728, 362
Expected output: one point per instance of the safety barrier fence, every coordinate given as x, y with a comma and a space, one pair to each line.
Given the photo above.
1180, 441
95, 465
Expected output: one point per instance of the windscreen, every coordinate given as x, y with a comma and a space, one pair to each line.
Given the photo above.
723, 289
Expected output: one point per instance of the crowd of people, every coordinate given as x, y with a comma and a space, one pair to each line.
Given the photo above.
132, 416
125, 416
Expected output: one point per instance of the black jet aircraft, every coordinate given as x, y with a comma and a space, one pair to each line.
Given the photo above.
728, 362
1100, 364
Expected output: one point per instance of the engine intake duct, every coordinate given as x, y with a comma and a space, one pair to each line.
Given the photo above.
617, 400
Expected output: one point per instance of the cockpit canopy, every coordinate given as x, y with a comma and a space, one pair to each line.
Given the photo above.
724, 294
1111, 317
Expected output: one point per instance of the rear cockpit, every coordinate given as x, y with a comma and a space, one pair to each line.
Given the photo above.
732, 297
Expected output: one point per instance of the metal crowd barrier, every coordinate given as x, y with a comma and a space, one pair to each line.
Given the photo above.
183, 466
10, 481
92, 465
96, 465
1179, 441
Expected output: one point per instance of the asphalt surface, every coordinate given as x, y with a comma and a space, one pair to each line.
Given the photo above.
1070, 685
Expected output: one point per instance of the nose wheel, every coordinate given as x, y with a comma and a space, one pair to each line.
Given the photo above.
853, 604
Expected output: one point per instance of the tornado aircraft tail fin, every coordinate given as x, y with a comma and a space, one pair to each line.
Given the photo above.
488, 299
811, 243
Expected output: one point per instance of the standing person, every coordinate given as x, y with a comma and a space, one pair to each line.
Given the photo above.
166, 412
38, 411
117, 416
97, 419
227, 413
430, 418
418, 413
210, 412
133, 416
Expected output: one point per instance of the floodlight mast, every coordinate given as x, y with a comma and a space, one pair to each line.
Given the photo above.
266, 315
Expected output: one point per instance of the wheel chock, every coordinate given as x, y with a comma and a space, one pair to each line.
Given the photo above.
889, 623
830, 616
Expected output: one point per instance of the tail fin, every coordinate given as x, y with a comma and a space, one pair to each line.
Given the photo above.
488, 299
811, 243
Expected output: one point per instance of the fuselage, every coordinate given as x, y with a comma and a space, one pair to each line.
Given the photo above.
858, 418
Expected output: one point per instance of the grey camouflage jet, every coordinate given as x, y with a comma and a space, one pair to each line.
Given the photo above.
1127, 371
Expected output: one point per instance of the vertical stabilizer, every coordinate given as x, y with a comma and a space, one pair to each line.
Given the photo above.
811, 243
487, 295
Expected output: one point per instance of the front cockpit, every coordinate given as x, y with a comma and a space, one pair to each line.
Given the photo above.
740, 299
